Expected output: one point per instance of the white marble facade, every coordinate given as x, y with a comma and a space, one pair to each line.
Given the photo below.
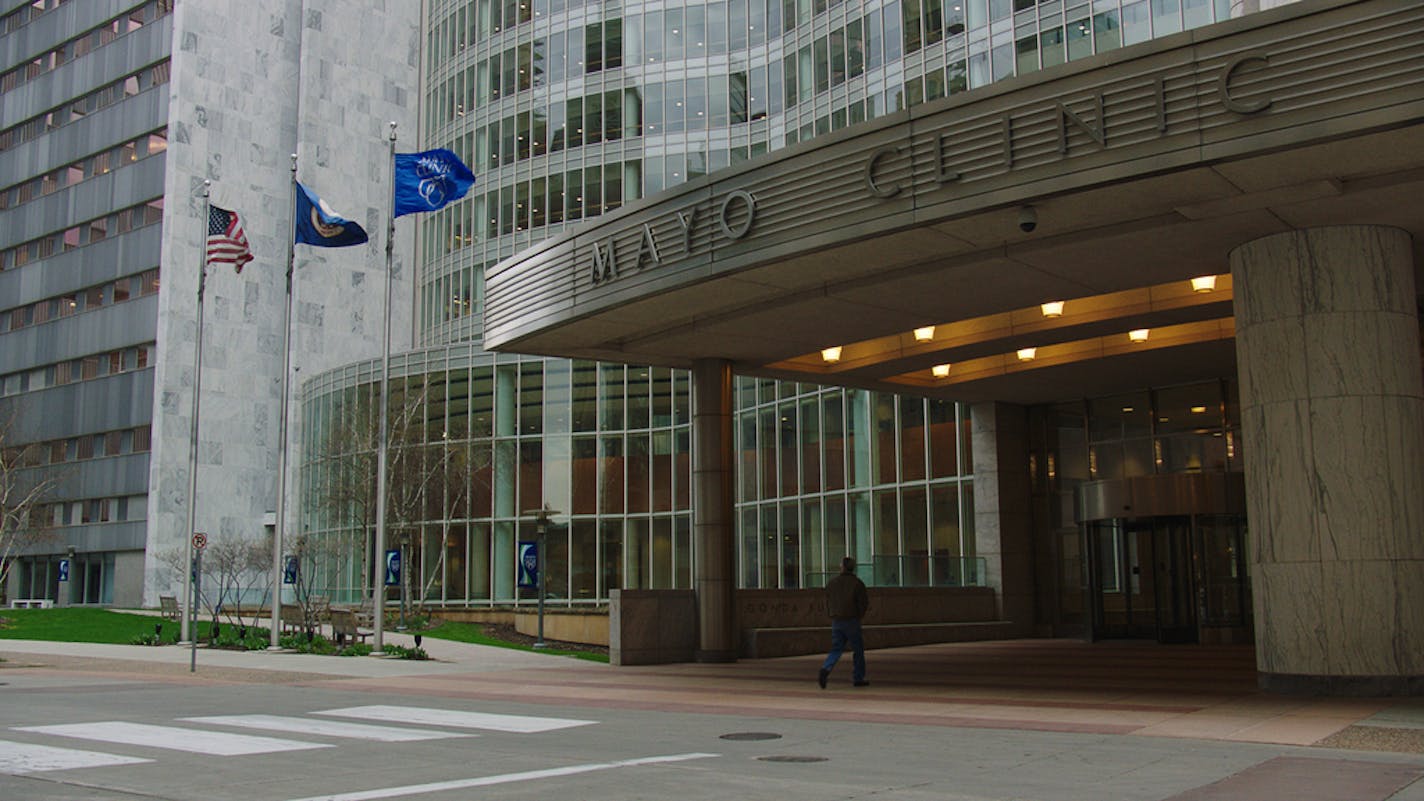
1333, 419
253, 83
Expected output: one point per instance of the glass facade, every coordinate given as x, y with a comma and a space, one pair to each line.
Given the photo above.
478, 442
827, 472
567, 110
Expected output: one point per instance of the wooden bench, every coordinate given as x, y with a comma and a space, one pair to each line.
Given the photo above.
169, 606
344, 626
294, 619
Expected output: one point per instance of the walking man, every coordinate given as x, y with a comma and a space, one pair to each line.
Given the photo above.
846, 600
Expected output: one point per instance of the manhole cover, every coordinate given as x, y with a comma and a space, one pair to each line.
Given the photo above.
751, 735
792, 758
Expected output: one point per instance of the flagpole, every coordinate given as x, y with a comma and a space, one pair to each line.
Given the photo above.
379, 604
184, 629
282, 426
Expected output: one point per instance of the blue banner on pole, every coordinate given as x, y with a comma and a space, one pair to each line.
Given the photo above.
64, 570
528, 563
393, 567
290, 569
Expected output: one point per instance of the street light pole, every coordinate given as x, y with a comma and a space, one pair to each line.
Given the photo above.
404, 576
543, 526
541, 530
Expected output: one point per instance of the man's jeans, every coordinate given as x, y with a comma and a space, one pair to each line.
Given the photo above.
843, 632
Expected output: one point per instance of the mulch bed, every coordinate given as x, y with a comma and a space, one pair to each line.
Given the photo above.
507, 633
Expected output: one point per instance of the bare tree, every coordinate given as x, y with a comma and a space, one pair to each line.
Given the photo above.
427, 475
458, 467
235, 568
26, 493
232, 570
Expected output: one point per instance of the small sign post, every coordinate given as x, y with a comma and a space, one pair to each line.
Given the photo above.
200, 541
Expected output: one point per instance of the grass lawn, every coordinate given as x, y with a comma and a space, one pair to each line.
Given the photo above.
83, 624
80, 624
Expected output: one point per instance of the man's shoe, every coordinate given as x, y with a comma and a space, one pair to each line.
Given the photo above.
822, 676
862, 683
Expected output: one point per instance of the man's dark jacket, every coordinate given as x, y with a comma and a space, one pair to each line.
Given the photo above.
846, 598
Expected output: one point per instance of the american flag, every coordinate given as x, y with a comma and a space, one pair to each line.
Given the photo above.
226, 241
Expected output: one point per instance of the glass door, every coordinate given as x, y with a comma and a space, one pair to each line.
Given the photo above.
1141, 579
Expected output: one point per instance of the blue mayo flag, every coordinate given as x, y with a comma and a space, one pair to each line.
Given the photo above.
319, 224
429, 181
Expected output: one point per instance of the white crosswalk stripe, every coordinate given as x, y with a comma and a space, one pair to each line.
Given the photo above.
520, 724
327, 728
20, 758
173, 738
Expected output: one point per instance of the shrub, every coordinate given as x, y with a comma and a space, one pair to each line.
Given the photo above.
232, 638
403, 652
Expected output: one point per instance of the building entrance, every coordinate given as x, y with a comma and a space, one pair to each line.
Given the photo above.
1165, 558
1173, 579
1141, 579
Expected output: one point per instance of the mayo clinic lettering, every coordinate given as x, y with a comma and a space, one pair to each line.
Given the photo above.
735, 216
604, 263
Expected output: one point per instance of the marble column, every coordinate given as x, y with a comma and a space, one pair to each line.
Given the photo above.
713, 531
1003, 520
1332, 419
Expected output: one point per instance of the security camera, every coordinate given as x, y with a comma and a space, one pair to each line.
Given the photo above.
1028, 219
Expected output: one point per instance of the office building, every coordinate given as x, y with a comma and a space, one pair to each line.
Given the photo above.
570, 112
113, 116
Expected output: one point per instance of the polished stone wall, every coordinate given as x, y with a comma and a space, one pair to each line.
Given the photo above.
1003, 517
1333, 425
252, 84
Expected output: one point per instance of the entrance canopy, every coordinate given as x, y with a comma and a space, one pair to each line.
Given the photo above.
1106, 185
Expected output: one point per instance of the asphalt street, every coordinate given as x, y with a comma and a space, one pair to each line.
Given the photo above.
103, 728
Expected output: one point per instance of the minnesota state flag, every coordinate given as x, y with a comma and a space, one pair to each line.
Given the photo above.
321, 225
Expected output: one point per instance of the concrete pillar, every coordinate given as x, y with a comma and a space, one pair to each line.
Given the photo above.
1003, 517
1332, 418
713, 529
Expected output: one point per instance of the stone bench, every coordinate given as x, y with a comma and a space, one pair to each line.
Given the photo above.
31, 603
763, 643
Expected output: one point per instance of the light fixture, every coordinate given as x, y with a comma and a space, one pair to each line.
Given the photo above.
1053, 308
831, 355
940, 370
1198, 410
1138, 334
1204, 283
1027, 354
924, 334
